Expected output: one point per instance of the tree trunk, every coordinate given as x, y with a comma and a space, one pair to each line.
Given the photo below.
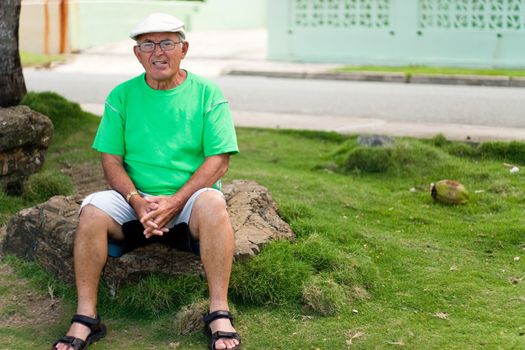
12, 84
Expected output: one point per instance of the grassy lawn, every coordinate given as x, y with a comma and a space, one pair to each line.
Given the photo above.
29, 59
411, 70
377, 263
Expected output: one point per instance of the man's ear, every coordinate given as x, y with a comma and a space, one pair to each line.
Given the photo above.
136, 52
185, 47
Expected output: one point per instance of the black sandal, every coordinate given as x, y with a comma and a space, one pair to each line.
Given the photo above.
98, 331
212, 338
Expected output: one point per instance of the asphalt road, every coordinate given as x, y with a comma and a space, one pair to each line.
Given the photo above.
475, 105
388, 101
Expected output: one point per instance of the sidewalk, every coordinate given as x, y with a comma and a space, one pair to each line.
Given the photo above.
345, 125
211, 54
215, 53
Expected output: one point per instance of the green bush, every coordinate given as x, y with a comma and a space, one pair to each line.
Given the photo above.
454, 148
405, 157
461, 149
508, 151
323, 295
304, 227
294, 211
273, 277
189, 318
65, 115
496, 149
159, 294
9, 205
516, 152
341, 151
513, 151
321, 254
41, 186
357, 272
369, 159
439, 140
415, 157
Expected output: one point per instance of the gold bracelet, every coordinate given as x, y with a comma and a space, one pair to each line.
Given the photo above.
131, 194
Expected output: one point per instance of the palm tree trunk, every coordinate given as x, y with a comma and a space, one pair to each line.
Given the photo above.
12, 84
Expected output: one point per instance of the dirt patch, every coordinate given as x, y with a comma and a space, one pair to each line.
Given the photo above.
23, 306
20, 304
87, 178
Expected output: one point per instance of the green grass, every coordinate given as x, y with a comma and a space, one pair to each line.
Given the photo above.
374, 254
411, 70
29, 59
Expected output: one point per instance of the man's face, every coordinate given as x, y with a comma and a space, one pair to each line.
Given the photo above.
161, 66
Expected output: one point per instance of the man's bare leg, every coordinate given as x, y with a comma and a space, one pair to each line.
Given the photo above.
211, 224
90, 256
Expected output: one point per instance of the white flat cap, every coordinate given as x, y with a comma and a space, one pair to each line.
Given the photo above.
158, 23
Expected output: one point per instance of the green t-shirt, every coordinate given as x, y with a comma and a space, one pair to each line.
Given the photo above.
165, 135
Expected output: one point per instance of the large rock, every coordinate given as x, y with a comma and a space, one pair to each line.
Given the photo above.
45, 234
24, 138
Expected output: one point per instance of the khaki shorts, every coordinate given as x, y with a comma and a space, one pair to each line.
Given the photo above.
113, 203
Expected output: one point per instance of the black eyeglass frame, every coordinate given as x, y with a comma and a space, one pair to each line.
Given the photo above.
162, 44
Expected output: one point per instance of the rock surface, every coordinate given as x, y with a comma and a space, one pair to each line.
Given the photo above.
45, 234
24, 138
374, 140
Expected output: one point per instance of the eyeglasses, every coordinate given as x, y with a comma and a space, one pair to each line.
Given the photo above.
165, 45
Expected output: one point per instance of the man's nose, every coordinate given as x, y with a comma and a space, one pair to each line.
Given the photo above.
157, 48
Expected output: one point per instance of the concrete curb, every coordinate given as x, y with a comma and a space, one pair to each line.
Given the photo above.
517, 82
473, 80
353, 76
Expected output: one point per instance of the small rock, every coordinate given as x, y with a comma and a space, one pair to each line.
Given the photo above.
374, 140
441, 315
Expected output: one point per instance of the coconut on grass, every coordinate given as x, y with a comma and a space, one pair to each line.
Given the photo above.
449, 192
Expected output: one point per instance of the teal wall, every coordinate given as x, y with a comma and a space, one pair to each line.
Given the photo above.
476, 33
95, 22
98, 22
231, 14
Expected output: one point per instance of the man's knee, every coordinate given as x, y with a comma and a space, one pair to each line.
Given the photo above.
90, 213
210, 202
209, 208
94, 220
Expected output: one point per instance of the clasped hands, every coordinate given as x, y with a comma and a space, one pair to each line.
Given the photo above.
155, 212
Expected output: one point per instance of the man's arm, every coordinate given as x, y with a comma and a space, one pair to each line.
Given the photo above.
116, 175
119, 180
210, 171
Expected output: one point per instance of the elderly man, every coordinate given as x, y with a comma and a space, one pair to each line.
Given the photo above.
165, 139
